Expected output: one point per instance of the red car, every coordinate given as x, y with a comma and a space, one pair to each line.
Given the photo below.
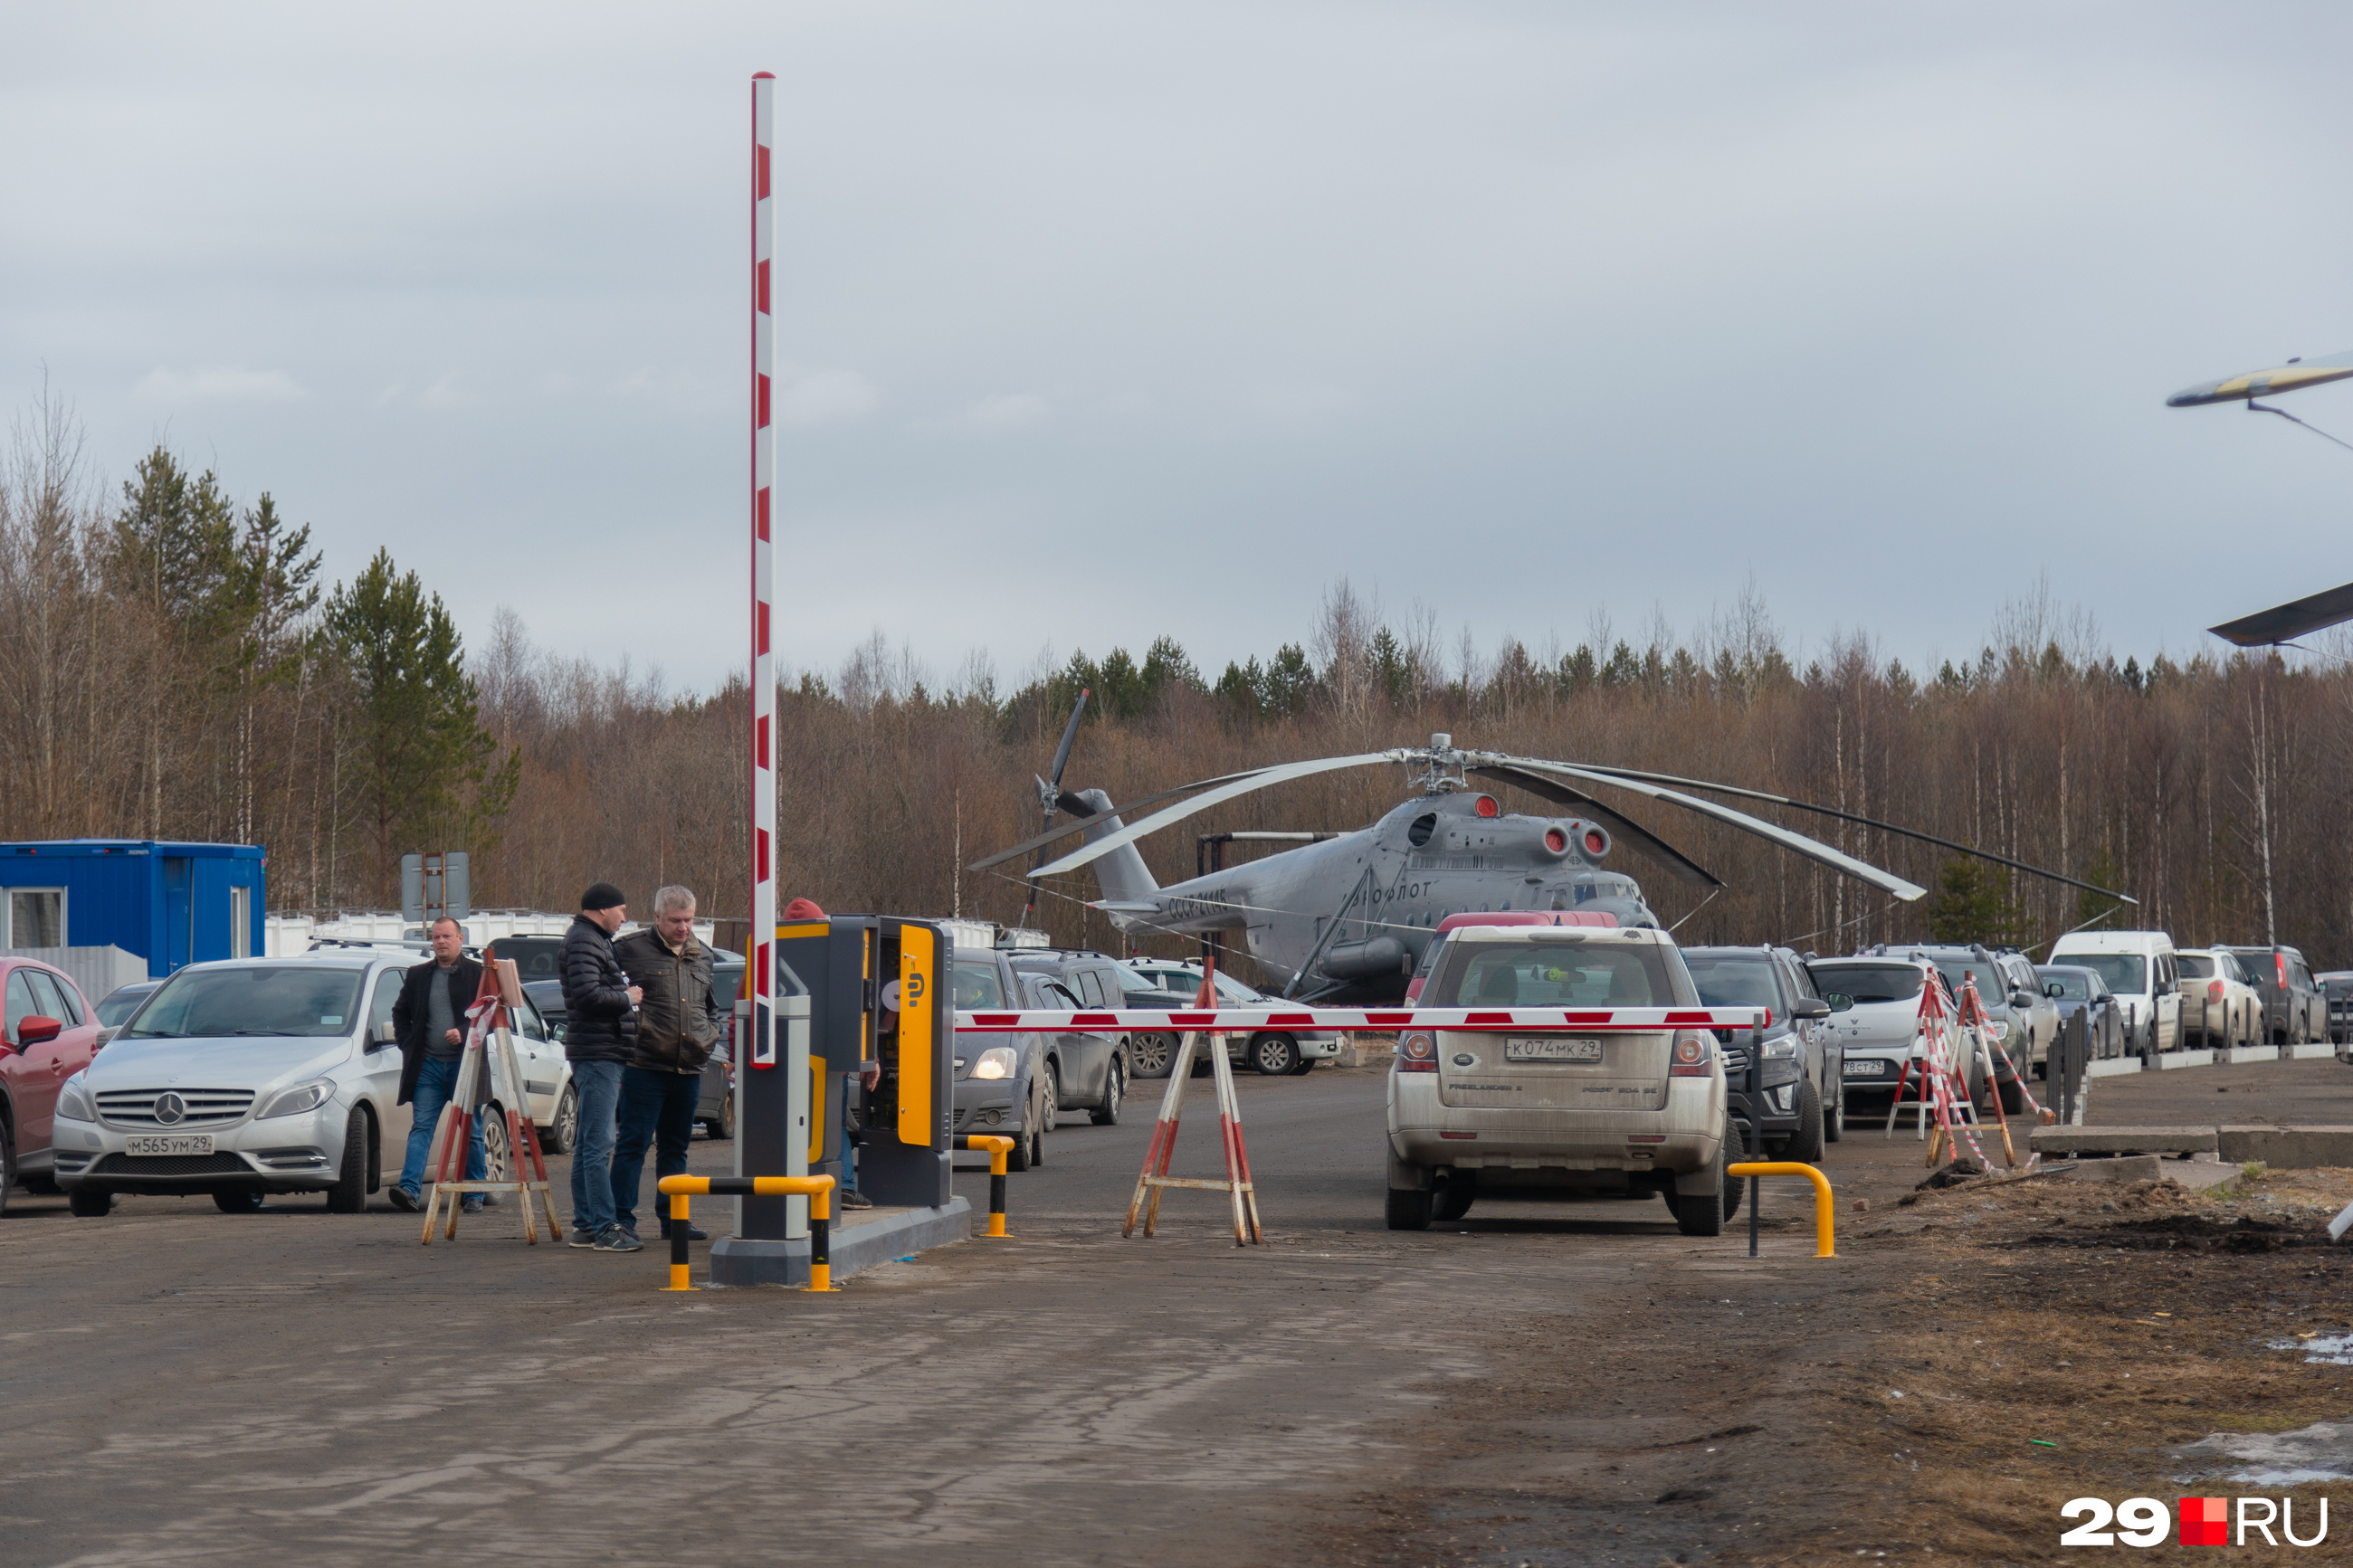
50, 1033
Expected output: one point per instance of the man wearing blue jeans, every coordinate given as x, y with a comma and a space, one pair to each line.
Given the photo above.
676, 1028
600, 1024
430, 1018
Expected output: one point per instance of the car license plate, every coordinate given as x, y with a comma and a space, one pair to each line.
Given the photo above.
1865, 1068
172, 1143
1552, 1049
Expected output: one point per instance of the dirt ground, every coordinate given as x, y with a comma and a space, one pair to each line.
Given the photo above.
1533, 1384
1895, 1404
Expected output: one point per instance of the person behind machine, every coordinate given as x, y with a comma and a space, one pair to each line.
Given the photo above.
429, 1019
601, 1019
677, 1026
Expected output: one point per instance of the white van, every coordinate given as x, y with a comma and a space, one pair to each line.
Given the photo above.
2141, 968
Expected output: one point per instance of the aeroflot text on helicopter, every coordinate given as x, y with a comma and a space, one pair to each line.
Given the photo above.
2204, 1521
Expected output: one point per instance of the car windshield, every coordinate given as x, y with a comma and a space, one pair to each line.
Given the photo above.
1990, 989
1870, 981
2124, 971
1746, 981
1600, 973
121, 1005
977, 985
2068, 987
308, 999
2194, 965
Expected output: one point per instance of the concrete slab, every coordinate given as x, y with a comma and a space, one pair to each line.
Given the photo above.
2312, 1052
878, 1236
2112, 1066
2237, 1054
2123, 1140
2286, 1148
2197, 1175
2168, 1061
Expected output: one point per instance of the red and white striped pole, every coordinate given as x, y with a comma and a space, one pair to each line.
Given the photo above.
766, 1048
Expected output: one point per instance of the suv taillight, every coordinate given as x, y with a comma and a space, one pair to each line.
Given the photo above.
1689, 1055
1417, 1052
2279, 959
2213, 991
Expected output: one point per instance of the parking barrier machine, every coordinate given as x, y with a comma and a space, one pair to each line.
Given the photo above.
863, 1013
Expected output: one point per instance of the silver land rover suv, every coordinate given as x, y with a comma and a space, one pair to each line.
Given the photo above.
1559, 1115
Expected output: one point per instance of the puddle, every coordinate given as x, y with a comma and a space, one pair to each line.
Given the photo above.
2319, 1350
2320, 1452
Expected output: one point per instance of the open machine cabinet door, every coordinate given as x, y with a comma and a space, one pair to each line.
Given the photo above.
904, 1155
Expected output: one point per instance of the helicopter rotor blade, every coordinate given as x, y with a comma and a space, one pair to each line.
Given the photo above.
1280, 774
1796, 843
1679, 864
1867, 822
1087, 817
1070, 735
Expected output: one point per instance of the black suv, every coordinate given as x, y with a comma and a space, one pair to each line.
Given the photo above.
2296, 1009
1803, 1082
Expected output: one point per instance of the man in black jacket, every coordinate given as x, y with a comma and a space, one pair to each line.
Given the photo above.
600, 1024
429, 1017
676, 1027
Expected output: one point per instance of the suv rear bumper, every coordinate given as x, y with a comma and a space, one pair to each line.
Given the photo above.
1426, 1134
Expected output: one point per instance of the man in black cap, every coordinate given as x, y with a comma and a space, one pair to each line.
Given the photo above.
600, 1027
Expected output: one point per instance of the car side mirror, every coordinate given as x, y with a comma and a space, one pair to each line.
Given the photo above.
1840, 1002
2022, 997
386, 1034
1807, 1008
37, 1029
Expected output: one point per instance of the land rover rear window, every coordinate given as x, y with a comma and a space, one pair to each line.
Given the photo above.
1603, 972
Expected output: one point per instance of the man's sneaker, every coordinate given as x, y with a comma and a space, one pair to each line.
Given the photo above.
693, 1232
581, 1237
404, 1200
472, 1203
490, 1200
854, 1199
613, 1238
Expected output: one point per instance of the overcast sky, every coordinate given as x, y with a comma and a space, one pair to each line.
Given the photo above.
1104, 322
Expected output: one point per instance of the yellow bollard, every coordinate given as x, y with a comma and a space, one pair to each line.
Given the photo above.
677, 1255
998, 1148
1824, 1207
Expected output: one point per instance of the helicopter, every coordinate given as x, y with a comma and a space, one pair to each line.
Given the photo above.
1347, 918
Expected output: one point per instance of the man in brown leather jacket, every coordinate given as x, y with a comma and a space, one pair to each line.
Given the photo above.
679, 1022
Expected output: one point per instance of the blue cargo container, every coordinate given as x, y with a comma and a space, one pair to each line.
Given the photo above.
171, 904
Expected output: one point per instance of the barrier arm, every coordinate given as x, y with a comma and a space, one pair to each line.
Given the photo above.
818, 1190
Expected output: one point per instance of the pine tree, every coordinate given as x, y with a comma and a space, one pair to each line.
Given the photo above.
417, 715
1970, 906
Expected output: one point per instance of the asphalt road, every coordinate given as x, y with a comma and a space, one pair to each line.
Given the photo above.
184, 1386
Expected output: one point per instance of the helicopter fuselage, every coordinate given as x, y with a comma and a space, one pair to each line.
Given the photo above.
1353, 914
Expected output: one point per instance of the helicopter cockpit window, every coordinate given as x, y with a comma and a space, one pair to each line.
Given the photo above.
977, 986
1567, 973
1423, 826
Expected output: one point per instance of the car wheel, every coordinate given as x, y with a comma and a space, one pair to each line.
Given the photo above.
723, 1126
349, 1194
498, 1158
1834, 1122
1274, 1055
1805, 1145
1409, 1210
2013, 1095
1115, 1092
1306, 1064
1695, 1213
242, 1203
563, 1131
86, 1204
1453, 1200
1155, 1055
1017, 1158
8, 1162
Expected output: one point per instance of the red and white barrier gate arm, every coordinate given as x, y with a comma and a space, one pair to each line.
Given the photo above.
1250, 1020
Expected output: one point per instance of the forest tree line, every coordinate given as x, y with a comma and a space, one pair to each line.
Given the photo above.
176, 668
